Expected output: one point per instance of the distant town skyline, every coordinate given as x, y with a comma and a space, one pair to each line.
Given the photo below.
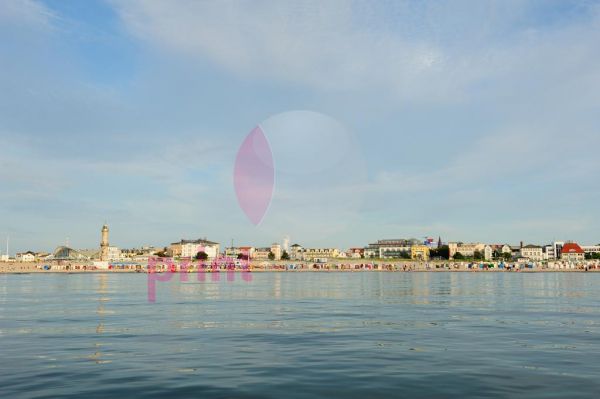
107, 247
473, 121
399, 249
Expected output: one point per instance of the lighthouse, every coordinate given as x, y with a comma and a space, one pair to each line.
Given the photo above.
104, 243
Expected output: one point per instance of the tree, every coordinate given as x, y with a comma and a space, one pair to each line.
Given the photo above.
271, 256
507, 256
201, 255
242, 256
162, 254
285, 255
441, 252
458, 256
404, 255
478, 255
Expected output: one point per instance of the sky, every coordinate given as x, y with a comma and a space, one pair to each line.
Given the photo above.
469, 120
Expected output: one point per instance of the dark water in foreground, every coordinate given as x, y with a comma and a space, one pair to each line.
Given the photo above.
302, 335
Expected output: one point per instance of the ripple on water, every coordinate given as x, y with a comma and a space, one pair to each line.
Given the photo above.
301, 335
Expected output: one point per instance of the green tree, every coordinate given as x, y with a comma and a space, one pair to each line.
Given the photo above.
201, 255
441, 252
506, 256
271, 256
477, 255
458, 256
285, 255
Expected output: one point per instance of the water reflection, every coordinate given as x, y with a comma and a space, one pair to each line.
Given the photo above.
302, 335
103, 297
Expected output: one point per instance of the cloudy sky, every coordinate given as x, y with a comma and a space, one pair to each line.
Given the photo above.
473, 120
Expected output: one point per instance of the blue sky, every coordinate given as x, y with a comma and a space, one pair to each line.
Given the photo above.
473, 120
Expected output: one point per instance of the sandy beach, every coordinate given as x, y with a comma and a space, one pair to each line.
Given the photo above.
299, 267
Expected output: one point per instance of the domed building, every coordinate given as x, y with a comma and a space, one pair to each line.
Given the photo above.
66, 253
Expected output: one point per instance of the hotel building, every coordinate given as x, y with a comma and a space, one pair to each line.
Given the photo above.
298, 252
390, 249
190, 248
572, 252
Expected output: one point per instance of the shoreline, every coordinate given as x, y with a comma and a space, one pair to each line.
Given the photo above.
162, 265
387, 268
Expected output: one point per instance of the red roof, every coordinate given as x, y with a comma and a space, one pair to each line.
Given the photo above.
572, 248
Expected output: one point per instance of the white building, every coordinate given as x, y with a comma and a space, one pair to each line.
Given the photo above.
554, 250
25, 257
370, 252
296, 251
390, 248
591, 249
506, 249
276, 251
311, 254
488, 253
113, 253
532, 252
191, 248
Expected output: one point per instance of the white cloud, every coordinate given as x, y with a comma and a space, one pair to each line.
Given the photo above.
317, 44
539, 82
430, 52
26, 13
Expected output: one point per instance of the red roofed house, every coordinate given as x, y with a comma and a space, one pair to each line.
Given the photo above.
572, 252
355, 253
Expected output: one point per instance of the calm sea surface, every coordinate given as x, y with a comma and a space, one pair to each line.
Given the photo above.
301, 335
